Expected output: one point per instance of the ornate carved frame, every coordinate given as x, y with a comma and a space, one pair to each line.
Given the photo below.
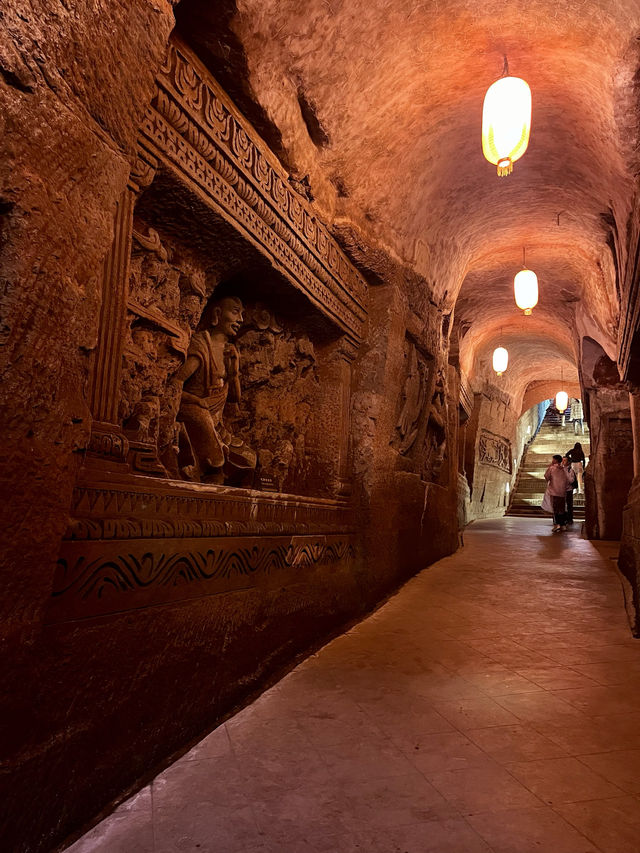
137, 541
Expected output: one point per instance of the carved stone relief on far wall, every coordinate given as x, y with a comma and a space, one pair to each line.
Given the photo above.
420, 435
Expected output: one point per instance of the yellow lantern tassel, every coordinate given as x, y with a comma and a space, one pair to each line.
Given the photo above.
505, 167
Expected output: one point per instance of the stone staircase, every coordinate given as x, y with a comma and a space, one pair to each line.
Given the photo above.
530, 484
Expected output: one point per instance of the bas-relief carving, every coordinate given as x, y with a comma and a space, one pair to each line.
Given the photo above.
435, 449
495, 451
166, 294
280, 380
184, 413
159, 313
208, 381
413, 397
421, 428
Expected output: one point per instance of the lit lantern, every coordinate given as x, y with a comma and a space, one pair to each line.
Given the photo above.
562, 401
506, 122
525, 287
500, 360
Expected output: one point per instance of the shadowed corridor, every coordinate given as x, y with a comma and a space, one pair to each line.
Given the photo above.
491, 705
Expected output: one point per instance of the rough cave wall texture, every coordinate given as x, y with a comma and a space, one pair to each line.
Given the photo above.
141, 602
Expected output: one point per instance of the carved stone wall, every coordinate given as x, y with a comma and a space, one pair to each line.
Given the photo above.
420, 434
488, 456
151, 602
281, 390
181, 234
495, 450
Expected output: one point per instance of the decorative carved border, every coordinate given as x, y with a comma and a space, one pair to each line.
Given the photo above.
96, 579
161, 509
194, 126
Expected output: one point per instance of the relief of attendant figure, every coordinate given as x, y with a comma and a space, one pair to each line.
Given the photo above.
210, 379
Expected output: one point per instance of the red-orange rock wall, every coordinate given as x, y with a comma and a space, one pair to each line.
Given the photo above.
96, 700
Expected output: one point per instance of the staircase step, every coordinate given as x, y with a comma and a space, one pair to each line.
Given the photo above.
530, 484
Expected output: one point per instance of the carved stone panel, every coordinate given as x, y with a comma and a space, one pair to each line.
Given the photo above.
167, 290
494, 450
280, 389
412, 400
421, 431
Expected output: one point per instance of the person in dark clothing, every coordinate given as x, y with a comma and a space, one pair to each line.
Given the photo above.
572, 483
578, 462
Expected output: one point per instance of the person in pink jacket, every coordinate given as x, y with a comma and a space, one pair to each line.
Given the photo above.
558, 483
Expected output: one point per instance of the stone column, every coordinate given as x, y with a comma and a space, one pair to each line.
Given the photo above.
333, 417
634, 404
107, 443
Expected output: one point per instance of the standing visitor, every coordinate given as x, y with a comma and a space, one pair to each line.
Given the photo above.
577, 416
557, 479
578, 461
572, 483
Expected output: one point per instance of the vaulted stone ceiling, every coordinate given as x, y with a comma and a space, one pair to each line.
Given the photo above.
380, 102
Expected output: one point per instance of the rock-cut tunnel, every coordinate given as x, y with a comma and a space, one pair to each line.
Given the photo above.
254, 267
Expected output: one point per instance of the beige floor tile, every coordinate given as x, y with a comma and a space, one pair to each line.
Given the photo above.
125, 831
538, 706
598, 700
443, 751
446, 836
620, 672
593, 734
359, 762
530, 831
501, 682
556, 677
509, 744
395, 801
562, 780
613, 825
475, 713
199, 827
601, 654
479, 789
622, 768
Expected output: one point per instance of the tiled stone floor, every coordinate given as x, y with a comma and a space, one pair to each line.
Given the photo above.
493, 704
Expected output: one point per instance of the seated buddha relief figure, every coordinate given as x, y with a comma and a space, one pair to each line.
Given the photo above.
210, 380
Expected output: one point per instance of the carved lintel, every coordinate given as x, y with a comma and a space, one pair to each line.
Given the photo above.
194, 126
347, 349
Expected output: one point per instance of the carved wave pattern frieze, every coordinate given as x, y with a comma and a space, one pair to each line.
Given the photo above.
191, 124
93, 581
